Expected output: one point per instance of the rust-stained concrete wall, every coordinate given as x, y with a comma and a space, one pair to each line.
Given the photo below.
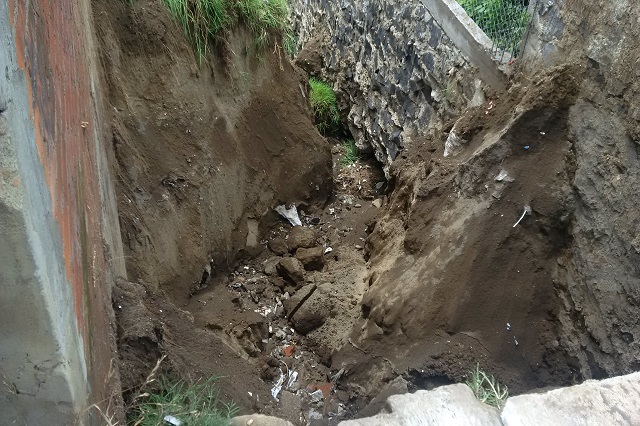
59, 235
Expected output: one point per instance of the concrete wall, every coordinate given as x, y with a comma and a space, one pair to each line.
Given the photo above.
59, 236
401, 75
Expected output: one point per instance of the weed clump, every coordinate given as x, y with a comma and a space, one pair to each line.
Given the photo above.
486, 388
263, 16
324, 106
202, 21
351, 153
193, 405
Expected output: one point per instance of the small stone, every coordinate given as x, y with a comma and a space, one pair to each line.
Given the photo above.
291, 269
292, 304
313, 312
269, 266
377, 203
358, 247
278, 246
357, 206
312, 258
301, 237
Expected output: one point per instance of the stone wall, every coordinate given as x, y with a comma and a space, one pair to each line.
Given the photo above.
399, 77
59, 234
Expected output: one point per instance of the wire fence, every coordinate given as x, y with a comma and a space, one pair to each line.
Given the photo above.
505, 22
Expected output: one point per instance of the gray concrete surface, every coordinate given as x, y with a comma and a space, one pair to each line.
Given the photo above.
468, 37
448, 405
41, 357
259, 420
610, 402
55, 347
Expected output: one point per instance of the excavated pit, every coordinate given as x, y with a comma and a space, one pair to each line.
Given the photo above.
389, 286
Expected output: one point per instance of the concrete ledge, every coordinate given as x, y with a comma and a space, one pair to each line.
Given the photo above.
468, 37
614, 401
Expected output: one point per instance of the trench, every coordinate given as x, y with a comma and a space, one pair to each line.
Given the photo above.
401, 276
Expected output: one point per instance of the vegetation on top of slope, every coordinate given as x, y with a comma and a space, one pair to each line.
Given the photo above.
324, 106
203, 21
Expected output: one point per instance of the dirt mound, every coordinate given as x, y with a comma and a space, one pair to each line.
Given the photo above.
201, 152
150, 326
452, 280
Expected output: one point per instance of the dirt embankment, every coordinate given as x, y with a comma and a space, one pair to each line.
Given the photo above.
202, 152
516, 251
452, 280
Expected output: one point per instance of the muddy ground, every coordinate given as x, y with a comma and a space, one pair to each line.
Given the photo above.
388, 286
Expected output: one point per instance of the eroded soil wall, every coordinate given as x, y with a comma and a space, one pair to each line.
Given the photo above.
203, 152
599, 273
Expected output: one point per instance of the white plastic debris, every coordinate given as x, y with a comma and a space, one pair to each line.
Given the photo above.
508, 326
328, 250
453, 141
291, 214
316, 396
275, 390
292, 379
527, 210
503, 176
172, 420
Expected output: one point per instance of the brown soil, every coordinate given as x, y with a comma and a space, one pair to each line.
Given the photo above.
423, 276
452, 281
202, 152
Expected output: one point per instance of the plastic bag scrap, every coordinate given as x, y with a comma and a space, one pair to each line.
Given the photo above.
291, 214
453, 142
275, 390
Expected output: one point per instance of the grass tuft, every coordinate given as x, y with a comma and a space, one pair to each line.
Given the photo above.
290, 43
351, 153
324, 106
486, 388
263, 16
193, 405
202, 21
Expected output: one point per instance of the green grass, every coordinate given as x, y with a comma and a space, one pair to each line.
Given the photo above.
486, 388
194, 405
324, 106
503, 21
290, 42
351, 154
263, 16
203, 21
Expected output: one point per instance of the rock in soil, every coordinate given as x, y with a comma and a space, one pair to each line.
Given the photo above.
270, 265
292, 304
312, 313
291, 269
301, 237
278, 246
312, 258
